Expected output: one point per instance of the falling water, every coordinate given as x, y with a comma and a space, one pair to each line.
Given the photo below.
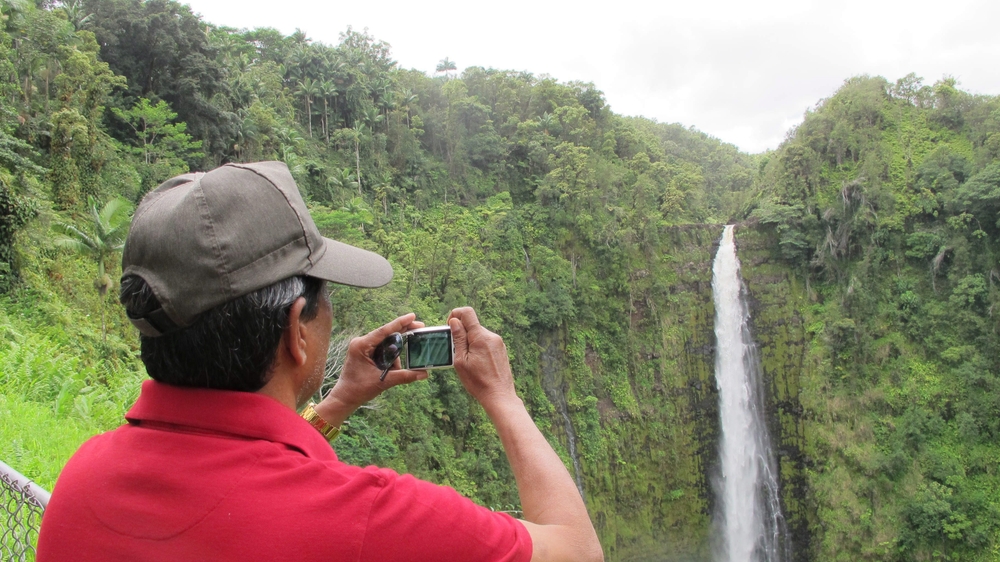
748, 513
557, 396
571, 445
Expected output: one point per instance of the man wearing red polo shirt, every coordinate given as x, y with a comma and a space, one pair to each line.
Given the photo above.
224, 275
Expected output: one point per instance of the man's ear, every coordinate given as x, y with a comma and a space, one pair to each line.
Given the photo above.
294, 338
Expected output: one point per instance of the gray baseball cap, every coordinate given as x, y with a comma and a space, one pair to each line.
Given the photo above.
200, 240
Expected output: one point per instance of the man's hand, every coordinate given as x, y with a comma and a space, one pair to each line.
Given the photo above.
359, 381
481, 359
554, 513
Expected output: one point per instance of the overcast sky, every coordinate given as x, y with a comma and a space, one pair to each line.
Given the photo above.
742, 71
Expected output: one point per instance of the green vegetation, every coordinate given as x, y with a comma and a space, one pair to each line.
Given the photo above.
869, 244
105, 239
885, 204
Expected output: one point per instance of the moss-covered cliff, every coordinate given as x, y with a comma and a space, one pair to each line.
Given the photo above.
648, 487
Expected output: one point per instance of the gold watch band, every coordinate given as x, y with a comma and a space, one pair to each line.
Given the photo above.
328, 431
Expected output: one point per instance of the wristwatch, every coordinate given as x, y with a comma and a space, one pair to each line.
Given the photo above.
328, 431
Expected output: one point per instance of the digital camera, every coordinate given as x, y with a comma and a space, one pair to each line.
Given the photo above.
420, 349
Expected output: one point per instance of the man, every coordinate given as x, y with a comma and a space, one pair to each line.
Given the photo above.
224, 275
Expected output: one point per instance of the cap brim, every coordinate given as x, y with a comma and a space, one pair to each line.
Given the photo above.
347, 265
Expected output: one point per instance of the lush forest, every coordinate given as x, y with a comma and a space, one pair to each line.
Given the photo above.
869, 240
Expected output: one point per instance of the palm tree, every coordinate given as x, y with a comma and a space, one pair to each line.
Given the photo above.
106, 237
358, 131
16, 9
299, 38
447, 66
383, 189
308, 88
327, 90
383, 95
76, 13
357, 207
546, 122
409, 99
342, 178
227, 44
340, 80
372, 117
387, 103
296, 164
245, 132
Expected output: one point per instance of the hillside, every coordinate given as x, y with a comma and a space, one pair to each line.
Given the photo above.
584, 237
884, 203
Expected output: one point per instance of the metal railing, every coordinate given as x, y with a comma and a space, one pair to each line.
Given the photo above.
21, 505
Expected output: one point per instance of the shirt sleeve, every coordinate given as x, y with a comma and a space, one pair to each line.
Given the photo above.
414, 520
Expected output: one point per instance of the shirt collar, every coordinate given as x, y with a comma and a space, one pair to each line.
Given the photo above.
243, 414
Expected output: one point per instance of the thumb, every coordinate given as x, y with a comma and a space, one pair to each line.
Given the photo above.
459, 336
396, 378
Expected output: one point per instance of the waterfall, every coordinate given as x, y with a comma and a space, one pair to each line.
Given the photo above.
748, 511
555, 393
571, 445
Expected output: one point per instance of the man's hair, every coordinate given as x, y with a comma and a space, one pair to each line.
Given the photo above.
230, 347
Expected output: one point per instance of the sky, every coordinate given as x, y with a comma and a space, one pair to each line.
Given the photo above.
742, 71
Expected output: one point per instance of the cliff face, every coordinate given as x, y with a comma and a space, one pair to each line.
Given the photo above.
646, 438
651, 499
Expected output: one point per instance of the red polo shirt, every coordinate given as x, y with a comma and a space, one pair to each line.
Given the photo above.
216, 475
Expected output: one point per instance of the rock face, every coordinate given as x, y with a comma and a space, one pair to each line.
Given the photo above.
775, 298
648, 464
647, 480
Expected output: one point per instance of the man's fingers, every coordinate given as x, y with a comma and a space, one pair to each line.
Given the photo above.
467, 316
376, 336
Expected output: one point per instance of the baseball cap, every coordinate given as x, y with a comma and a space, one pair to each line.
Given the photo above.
200, 240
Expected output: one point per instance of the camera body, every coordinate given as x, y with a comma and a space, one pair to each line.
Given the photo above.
420, 349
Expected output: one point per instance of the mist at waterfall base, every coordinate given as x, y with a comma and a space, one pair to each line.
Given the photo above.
748, 520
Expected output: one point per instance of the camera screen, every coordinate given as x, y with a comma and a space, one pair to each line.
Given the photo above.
429, 349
